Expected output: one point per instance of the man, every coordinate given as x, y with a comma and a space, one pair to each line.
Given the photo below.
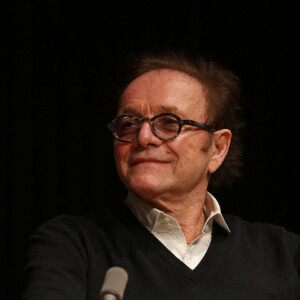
175, 122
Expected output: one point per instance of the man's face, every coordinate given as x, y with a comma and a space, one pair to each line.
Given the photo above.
154, 168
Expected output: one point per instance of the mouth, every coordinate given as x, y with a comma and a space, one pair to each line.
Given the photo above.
146, 160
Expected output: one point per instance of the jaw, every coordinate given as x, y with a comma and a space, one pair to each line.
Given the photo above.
163, 190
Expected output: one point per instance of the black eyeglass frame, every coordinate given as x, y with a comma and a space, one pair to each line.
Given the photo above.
111, 126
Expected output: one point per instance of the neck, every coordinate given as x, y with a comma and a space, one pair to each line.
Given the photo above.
191, 222
188, 210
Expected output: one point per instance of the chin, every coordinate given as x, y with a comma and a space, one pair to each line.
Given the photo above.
147, 187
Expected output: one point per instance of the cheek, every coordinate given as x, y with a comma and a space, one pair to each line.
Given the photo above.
190, 153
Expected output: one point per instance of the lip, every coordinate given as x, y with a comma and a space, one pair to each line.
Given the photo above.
146, 160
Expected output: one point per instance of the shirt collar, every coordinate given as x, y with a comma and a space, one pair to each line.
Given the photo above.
156, 220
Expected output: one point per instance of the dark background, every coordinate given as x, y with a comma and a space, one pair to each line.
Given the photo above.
60, 63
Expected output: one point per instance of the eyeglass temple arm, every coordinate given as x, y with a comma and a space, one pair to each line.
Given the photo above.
198, 124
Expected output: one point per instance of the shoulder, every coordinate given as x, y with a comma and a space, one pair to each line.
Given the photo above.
240, 225
73, 223
63, 250
63, 233
97, 220
82, 232
263, 236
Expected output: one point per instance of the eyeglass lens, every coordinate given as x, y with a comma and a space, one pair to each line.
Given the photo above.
165, 127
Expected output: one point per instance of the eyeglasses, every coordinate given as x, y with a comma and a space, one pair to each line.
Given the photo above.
165, 126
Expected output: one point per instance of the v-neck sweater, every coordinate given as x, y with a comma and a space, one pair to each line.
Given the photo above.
169, 232
69, 256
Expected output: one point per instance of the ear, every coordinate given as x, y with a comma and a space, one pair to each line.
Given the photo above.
221, 143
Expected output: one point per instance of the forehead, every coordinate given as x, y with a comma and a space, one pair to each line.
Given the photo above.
163, 91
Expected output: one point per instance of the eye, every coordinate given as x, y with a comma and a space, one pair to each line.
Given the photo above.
166, 123
169, 120
127, 123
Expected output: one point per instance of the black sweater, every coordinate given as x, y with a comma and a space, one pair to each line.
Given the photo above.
69, 256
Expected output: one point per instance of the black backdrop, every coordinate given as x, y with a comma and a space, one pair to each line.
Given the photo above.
60, 62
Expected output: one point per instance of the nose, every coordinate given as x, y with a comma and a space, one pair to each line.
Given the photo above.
146, 136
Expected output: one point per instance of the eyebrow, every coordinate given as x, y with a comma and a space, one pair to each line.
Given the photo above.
158, 110
171, 109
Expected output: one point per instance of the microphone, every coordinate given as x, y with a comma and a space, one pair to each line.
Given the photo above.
114, 284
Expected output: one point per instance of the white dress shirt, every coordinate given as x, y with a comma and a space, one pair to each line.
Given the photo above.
168, 231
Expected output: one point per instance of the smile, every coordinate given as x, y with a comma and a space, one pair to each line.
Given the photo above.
147, 160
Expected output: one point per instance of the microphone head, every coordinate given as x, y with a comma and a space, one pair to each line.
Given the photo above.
114, 282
